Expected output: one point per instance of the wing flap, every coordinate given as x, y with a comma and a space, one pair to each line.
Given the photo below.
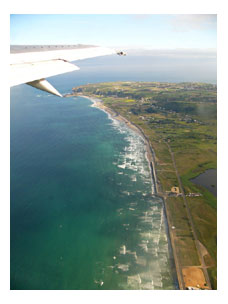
27, 72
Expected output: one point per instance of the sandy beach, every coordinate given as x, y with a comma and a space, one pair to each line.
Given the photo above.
98, 103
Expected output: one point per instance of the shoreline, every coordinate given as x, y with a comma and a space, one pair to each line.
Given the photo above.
97, 103
150, 155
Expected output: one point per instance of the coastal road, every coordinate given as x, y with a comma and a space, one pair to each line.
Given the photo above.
197, 243
177, 261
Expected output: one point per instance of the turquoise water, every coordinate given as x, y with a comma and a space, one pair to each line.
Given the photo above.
82, 213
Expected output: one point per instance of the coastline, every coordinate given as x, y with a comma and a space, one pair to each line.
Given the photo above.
150, 155
97, 103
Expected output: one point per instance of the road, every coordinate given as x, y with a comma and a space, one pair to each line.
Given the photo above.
197, 243
177, 261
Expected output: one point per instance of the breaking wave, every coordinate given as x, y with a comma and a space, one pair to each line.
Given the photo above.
142, 261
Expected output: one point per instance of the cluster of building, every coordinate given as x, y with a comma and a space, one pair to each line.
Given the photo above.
175, 191
193, 194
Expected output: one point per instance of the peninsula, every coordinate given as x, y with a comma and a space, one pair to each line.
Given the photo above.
179, 123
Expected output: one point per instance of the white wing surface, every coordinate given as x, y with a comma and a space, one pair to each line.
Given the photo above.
27, 72
32, 64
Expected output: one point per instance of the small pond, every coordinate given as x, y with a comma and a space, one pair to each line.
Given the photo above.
208, 179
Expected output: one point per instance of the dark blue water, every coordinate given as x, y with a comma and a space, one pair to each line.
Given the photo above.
82, 213
207, 179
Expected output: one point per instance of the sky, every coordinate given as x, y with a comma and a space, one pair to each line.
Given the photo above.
153, 31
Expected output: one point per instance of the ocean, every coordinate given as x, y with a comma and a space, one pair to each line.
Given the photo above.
82, 215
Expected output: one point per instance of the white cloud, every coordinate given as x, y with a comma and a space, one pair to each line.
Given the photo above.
193, 22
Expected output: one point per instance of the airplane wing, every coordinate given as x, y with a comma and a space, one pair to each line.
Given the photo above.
32, 64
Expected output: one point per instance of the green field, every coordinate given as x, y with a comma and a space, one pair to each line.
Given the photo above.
184, 116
